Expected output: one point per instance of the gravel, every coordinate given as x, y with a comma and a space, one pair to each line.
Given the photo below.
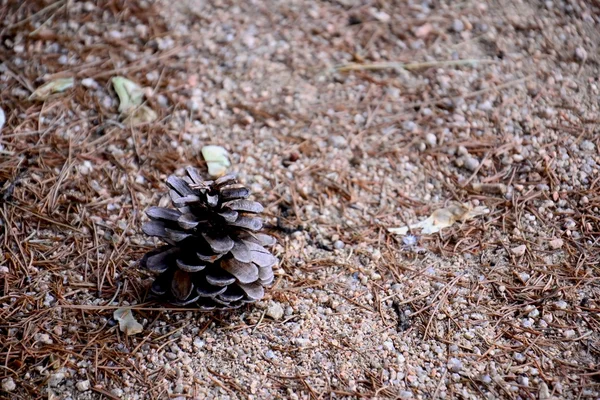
478, 310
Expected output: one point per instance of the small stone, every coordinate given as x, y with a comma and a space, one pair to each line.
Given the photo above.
562, 305
580, 53
359, 119
523, 380
56, 379
569, 333
198, 343
338, 244
454, 365
8, 384
338, 141
543, 391
388, 345
270, 354
471, 163
431, 140
275, 311
534, 313
587, 145
519, 357
458, 25
117, 392
556, 244
519, 250
302, 342
82, 386
405, 394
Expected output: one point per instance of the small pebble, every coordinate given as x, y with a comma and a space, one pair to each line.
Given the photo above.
56, 379
458, 25
519, 250
8, 384
471, 163
275, 311
338, 141
534, 313
569, 333
82, 386
338, 244
405, 394
580, 53
431, 140
454, 365
556, 244
587, 145
198, 343
561, 304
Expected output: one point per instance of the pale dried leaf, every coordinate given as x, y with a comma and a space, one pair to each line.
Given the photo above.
216, 159
442, 218
140, 115
47, 89
127, 323
130, 93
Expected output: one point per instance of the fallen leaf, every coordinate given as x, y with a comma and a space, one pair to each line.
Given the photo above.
47, 89
131, 97
130, 93
127, 323
216, 159
141, 115
442, 218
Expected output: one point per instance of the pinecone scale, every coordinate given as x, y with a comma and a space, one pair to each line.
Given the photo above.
214, 255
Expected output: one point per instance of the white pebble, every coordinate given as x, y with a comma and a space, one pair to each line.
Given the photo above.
471, 163
587, 145
569, 334
431, 140
8, 384
89, 83
56, 379
454, 365
556, 244
82, 386
458, 25
275, 311
405, 394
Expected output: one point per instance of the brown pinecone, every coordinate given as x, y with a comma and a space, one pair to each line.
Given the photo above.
214, 254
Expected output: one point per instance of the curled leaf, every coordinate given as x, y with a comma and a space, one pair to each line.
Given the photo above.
131, 97
127, 323
47, 89
141, 115
442, 218
216, 159
130, 93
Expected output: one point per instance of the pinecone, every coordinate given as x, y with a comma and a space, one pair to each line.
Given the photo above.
214, 254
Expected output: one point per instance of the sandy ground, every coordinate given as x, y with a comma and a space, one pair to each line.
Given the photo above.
345, 118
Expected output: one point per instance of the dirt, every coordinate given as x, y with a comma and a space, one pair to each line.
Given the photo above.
345, 118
